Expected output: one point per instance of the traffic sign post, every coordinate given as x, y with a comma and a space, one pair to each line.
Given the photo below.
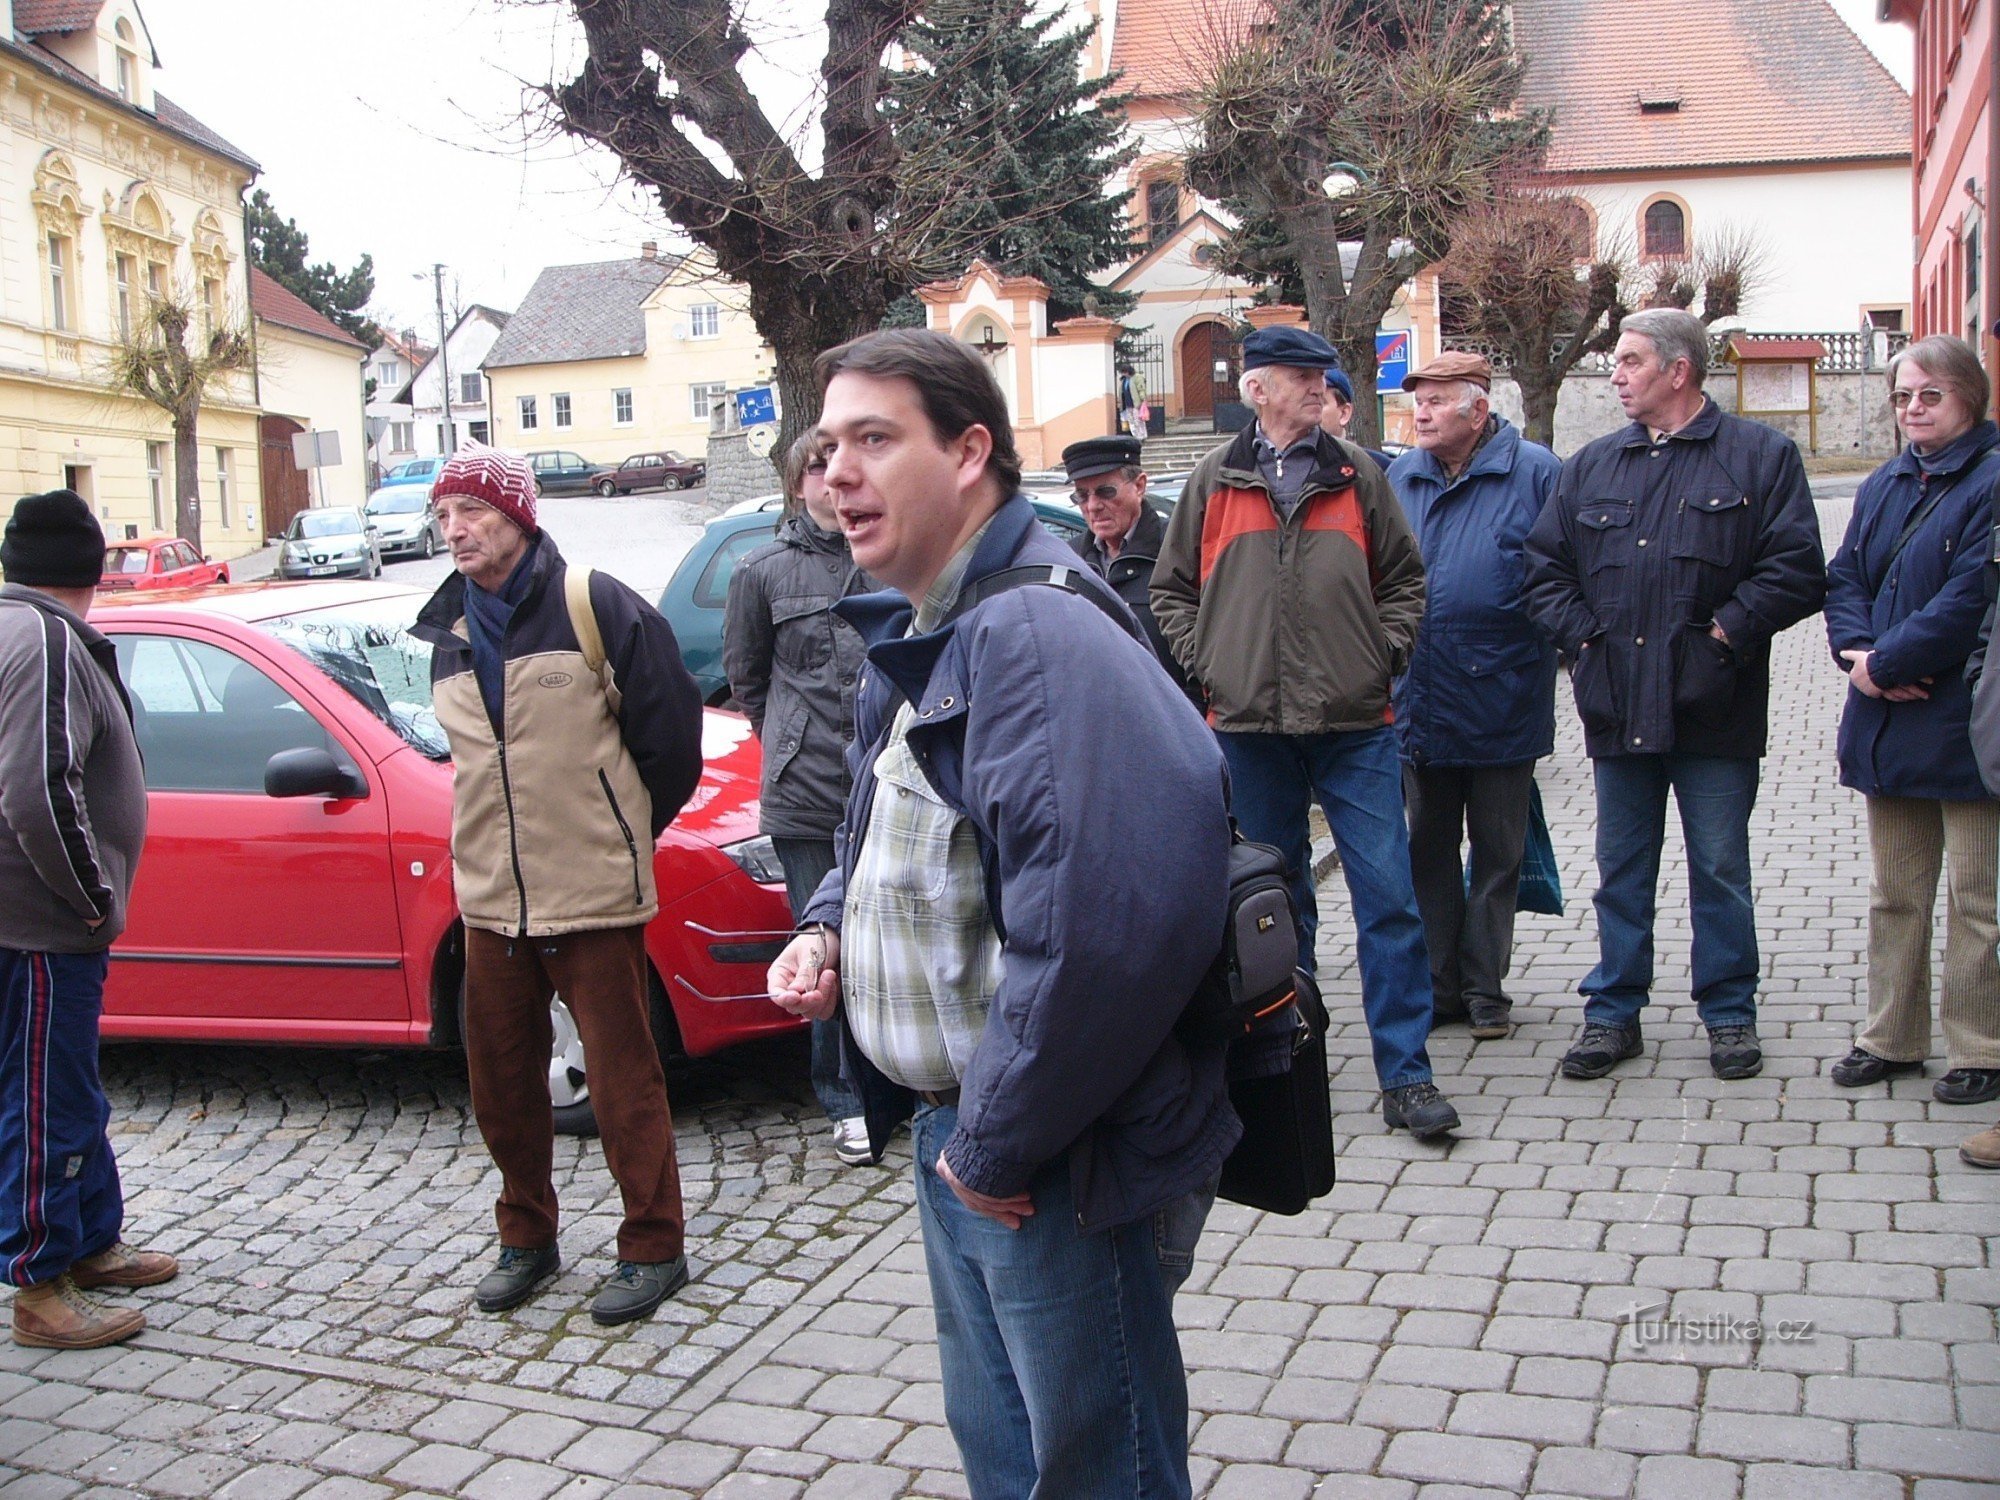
756, 406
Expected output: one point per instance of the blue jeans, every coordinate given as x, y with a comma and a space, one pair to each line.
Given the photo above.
1715, 794
1062, 1371
59, 1197
1358, 780
806, 862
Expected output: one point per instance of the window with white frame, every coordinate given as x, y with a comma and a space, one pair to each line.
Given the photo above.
703, 397
156, 482
222, 484
211, 304
402, 437
529, 420
156, 280
62, 314
621, 407
479, 432
705, 321
128, 62
124, 267
470, 389
560, 402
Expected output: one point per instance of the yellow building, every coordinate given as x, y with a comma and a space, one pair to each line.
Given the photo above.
621, 357
109, 190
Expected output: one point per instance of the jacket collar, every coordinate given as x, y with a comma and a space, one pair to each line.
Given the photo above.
1960, 454
800, 530
1144, 540
1332, 468
1699, 430
446, 607
1496, 455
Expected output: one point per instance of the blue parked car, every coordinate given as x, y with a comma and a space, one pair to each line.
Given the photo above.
422, 471
694, 597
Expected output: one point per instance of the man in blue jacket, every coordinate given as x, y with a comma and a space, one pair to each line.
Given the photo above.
1669, 555
1009, 937
1476, 708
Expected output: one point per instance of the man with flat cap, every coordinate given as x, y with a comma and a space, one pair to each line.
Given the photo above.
1126, 530
1476, 708
72, 819
1291, 587
1338, 413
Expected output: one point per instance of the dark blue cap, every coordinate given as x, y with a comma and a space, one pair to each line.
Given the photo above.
1336, 380
1288, 346
1099, 456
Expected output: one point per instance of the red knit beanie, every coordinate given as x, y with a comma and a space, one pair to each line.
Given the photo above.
501, 479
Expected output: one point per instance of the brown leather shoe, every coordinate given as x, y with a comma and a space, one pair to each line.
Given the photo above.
1982, 1150
55, 1315
121, 1265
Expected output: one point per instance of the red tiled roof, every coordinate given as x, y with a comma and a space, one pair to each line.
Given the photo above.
271, 302
39, 17
1163, 47
1757, 82
1742, 347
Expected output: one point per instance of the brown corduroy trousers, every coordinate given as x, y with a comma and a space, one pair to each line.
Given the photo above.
1911, 838
602, 979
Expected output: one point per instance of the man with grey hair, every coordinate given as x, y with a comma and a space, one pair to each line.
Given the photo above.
1670, 554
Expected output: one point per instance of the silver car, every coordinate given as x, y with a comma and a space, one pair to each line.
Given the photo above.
330, 542
404, 522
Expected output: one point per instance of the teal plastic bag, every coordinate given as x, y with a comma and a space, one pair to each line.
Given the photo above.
1541, 882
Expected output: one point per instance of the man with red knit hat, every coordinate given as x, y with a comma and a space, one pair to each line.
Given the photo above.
575, 736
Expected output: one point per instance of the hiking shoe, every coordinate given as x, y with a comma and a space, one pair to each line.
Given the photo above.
1491, 1019
850, 1142
1982, 1150
514, 1279
1599, 1049
121, 1265
1861, 1067
1420, 1109
1733, 1052
637, 1287
1967, 1086
55, 1315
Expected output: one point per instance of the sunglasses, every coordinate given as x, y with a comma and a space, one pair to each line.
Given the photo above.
1104, 492
1926, 398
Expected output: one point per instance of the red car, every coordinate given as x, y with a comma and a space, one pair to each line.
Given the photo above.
158, 562
296, 883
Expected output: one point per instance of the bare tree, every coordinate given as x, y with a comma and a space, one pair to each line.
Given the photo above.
823, 250
168, 357
1413, 98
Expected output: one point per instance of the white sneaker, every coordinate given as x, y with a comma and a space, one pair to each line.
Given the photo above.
850, 1142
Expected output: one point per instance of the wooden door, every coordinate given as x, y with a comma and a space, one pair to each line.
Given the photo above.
287, 487
1198, 371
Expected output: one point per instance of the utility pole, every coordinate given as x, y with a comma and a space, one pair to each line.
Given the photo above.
444, 362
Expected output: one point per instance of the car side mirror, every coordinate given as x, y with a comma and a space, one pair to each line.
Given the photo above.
311, 772
208, 557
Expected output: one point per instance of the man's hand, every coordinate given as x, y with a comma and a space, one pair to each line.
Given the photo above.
1716, 632
1007, 1211
1857, 673
805, 978
93, 924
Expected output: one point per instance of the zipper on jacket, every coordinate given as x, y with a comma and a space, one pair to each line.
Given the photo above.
513, 839
631, 844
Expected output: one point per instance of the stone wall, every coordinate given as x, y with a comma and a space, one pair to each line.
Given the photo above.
1854, 420
735, 473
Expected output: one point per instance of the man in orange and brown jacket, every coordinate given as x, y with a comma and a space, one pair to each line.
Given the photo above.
1290, 588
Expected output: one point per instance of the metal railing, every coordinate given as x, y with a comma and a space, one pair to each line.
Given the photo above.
1847, 352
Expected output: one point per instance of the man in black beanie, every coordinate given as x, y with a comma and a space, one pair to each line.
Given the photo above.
72, 819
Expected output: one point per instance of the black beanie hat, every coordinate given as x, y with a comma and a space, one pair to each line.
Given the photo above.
53, 541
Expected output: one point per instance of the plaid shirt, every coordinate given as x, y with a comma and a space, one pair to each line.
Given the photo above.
919, 957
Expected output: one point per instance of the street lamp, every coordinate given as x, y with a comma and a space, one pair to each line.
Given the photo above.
444, 360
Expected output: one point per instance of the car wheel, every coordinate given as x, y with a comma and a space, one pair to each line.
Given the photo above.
671, 482
606, 488
430, 546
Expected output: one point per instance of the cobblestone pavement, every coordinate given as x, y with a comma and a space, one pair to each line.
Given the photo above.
1448, 1322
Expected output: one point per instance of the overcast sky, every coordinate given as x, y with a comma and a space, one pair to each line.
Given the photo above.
397, 128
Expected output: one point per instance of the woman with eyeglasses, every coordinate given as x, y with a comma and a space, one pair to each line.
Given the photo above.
1905, 597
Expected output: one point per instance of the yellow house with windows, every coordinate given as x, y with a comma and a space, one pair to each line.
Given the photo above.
108, 192
621, 357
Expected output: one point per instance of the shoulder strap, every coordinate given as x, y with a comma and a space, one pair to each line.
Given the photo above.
1915, 523
1050, 575
582, 617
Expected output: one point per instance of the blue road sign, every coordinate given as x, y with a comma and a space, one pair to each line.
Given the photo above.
1392, 359
756, 406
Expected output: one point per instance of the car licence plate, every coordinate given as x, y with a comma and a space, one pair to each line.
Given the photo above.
318, 572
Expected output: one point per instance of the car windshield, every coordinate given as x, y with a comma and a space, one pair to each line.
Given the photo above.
367, 648
126, 559
325, 523
416, 468
398, 502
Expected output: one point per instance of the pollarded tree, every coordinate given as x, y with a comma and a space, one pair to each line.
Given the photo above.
1411, 101
168, 358
990, 82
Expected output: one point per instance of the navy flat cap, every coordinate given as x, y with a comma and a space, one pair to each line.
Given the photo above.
1336, 380
1288, 346
1099, 456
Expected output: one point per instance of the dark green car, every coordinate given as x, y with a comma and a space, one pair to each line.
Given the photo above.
694, 597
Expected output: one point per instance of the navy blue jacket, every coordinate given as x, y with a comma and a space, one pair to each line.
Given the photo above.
1481, 688
1642, 547
1920, 617
1100, 804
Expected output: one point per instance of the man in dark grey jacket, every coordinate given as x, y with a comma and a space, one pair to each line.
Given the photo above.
72, 819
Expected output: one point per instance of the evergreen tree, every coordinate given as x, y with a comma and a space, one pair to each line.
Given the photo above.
1000, 91
279, 249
